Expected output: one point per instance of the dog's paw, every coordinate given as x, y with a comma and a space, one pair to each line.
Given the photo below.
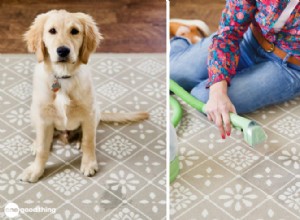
31, 174
89, 168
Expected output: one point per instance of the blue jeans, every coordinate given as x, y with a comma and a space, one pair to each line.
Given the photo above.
261, 78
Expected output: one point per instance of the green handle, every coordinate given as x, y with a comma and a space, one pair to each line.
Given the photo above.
177, 111
236, 120
185, 96
239, 122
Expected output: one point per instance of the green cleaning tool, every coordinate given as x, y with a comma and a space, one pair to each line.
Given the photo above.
176, 111
253, 132
176, 117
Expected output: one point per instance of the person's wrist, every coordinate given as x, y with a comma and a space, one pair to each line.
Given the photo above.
219, 87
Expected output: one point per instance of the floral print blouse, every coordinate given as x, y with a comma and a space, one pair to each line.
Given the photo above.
236, 17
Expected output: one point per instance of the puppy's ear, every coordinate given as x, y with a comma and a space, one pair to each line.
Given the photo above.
91, 37
34, 37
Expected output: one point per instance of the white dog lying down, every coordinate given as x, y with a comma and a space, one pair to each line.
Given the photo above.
63, 94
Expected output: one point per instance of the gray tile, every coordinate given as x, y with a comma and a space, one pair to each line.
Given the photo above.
266, 114
273, 143
238, 158
160, 181
237, 197
152, 201
151, 66
142, 132
126, 212
104, 131
21, 216
103, 101
8, 78
289, 105
21, 91
122, 182
268, 176
105, 164
288, 196
209, 141
65, 152
25, 66
288, 125
112, 90
67, 182
7, 102
18, 116
154, 89
270, 210
68, 211
119, 147
204, 210
189, 157
96, 201
182, 197
7, 131
191, 125
288, 157
133, 78
16, 147
10, 186
2, 203
137, 102
158, 146
146, 164
296, 111
208, 176
38, 198
109, 66
158, 115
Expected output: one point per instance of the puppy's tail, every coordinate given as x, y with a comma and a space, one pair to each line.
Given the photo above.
123, 117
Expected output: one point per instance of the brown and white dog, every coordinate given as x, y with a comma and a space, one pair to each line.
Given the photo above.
193, 30
63, 94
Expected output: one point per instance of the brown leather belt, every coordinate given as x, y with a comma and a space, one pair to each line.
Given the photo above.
270, 47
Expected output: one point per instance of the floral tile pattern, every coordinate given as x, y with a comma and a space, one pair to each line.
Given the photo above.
131, 180
289, 196
227, 179
22, 91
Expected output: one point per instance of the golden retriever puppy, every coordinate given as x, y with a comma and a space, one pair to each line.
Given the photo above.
63, 94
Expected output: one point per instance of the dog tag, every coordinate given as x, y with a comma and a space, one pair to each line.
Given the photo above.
55, 86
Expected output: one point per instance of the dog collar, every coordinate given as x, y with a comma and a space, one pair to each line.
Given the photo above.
56, 85
63, 77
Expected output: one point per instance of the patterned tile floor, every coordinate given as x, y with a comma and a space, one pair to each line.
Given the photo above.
131, 181
226, 179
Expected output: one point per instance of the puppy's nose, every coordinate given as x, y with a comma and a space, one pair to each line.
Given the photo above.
63, 51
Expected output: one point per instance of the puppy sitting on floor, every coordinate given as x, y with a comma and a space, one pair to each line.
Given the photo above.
63, 94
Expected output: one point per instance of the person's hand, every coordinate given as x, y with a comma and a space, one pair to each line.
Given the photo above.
219, 106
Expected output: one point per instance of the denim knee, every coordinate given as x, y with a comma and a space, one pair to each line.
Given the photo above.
200, 92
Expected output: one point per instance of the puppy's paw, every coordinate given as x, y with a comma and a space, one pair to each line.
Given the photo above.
89, 168
31, 174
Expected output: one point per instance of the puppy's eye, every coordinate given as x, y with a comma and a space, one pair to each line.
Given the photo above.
74, 31
52, 31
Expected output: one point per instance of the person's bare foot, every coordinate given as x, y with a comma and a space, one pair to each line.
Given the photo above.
192, 32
